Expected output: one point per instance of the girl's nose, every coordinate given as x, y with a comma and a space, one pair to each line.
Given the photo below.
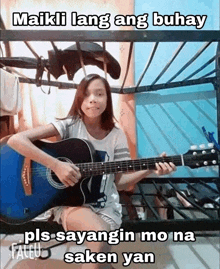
92, 98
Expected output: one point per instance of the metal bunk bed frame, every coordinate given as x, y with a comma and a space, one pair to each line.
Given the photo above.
211, 221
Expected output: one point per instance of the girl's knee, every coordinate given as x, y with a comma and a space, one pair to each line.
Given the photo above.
83, 219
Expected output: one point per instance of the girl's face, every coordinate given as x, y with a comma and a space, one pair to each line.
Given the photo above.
95, 100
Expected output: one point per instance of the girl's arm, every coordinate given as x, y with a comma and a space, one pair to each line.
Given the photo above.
124, 181
22, 142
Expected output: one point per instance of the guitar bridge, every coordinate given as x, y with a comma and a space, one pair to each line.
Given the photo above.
26, 176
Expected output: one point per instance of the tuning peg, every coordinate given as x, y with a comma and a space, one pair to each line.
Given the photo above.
214, 162
202, 146
211, 145
193, 147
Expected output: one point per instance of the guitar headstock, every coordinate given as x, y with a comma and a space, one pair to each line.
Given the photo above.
195, 158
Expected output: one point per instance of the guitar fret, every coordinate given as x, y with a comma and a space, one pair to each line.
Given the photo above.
99, 168
127, 165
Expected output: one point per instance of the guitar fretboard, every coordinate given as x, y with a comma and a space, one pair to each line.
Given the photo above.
100, 168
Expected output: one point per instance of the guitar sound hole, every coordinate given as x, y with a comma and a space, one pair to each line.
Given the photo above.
53, 179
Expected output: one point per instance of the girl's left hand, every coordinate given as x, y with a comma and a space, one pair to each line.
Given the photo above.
164, 168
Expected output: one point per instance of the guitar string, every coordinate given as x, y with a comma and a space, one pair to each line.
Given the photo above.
96, 168
126, 163
88, 167
87, 172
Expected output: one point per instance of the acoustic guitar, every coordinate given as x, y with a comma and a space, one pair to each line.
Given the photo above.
26, 193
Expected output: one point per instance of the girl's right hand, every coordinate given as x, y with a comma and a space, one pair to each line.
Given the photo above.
69, 174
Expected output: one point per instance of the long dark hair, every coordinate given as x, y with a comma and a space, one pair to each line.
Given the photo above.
107, 117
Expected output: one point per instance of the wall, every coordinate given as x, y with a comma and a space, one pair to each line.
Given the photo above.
171, 120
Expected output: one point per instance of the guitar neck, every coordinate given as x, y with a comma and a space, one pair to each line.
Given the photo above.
100, 168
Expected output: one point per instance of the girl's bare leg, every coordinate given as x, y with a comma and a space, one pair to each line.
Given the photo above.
84, 219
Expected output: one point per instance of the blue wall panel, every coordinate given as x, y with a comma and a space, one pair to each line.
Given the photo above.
171, 120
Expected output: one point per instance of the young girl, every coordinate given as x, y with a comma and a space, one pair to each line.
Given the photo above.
91, 118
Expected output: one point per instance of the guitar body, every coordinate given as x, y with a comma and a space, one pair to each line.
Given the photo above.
47, 191
17, 207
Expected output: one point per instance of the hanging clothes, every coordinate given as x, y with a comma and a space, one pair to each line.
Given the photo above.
10, 97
